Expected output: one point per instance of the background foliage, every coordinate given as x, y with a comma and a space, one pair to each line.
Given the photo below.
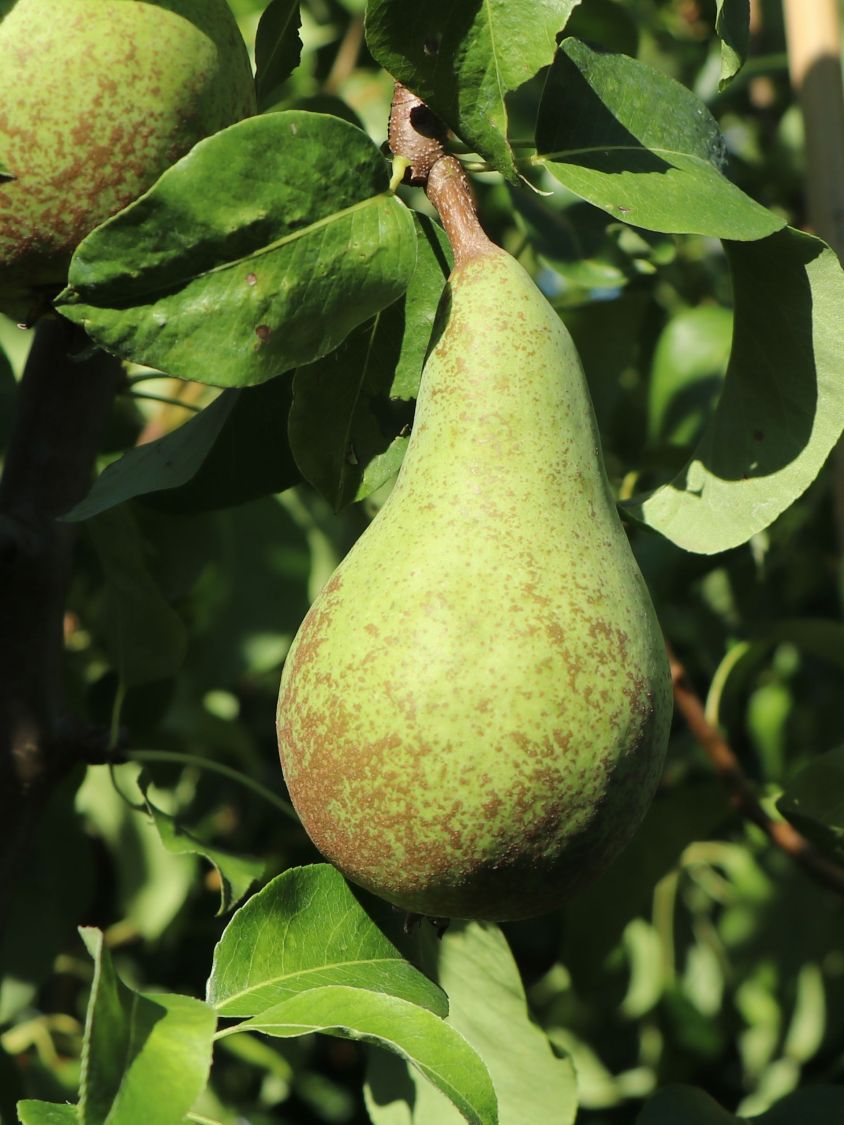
705, 969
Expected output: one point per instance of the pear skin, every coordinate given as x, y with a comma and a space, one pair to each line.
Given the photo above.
97, 98
473, 716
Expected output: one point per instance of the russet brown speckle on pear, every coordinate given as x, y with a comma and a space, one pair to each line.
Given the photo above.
97, 98
473, 717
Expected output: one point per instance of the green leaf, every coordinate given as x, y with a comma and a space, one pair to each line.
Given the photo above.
732, 24
816, 1105
278, 47
434, 1048
464, 59
144, 1057
487, 1006
348, 409
145, 637
232, 451
237, 872
782, 407
676, 1104
814, 802
31, 1112
258, 251
152, 884
687, 373
307, 929
642, 147
819, 1105
168, 462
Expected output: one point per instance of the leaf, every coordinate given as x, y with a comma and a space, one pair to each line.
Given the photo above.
816, 1105
732, 24
347, 408
152, 884
237, 872
782, 407
168, 462
814, 802
642, 147
145, 637
31, 1112
232, 451
434, 1048
464, 59
487, 1006
687, 373
278, 47
259, 250
144, 1057
306, 929
676, 1104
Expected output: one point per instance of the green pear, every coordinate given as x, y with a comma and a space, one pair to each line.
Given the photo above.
97, 98
473, 716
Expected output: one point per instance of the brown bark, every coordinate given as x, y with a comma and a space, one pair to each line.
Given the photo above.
61, 410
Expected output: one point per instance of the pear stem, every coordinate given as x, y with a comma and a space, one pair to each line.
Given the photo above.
416, 134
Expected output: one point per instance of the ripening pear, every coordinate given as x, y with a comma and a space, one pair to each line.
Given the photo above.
97, 98
473, 716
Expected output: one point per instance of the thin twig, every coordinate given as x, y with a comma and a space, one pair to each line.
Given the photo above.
743, 796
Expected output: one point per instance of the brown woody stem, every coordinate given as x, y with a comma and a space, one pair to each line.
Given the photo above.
742, 794
419, 136
62, 405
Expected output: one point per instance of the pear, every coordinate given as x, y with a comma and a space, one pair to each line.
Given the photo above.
97, 98
473, 716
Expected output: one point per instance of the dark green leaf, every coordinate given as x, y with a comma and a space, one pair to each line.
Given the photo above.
144, 1057
782, 407
232, 451
237, 872
278, 47
347, 415
487, 1006
168, 462
814, 802
258, 251
816, 1105
732, 24
144, 635
464, 59
304, 930
642, 147
434, 1048
683, 1104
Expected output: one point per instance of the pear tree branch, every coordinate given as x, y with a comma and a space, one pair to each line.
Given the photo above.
62, 404
741, 793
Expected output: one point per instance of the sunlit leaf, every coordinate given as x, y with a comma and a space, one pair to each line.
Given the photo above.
259, 250
237, 873
487, 1005
433, 1047
732, 23
782, 407
463, 60
304, 930
642, 147
144, 1057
